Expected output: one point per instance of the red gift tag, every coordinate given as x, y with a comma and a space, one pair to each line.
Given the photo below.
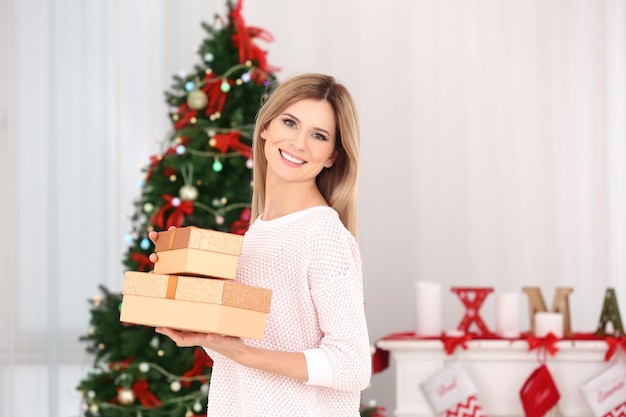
539, 393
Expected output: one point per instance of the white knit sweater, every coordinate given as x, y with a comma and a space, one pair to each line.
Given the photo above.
313, 266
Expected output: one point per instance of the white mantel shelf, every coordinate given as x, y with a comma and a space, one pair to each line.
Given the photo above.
499, 369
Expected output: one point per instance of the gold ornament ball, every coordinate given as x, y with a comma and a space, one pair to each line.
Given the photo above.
126, 396
197, 99
188, 193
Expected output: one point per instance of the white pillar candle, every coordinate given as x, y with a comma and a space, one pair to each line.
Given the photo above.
548, 322
507, 315
427, 309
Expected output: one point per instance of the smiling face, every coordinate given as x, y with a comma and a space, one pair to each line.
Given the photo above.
300, 142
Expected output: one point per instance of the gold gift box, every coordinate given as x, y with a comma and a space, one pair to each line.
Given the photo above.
196, 304
196, 251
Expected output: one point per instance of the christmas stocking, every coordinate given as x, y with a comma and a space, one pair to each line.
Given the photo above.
452, 393
606, 392
619, 411
539, 394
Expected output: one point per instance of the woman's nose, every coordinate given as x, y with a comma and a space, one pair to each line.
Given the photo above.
298, 140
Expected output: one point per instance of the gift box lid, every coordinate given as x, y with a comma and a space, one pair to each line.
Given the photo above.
198, 238
204, 290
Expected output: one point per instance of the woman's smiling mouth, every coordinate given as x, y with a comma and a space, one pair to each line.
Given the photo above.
291, 158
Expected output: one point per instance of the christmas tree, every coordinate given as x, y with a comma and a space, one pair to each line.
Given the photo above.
202, 178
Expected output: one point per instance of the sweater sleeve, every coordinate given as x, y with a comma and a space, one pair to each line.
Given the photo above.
343, 359
318, 367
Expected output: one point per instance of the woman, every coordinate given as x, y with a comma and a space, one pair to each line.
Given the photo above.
315, 357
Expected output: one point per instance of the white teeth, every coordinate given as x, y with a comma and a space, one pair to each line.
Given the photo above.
291, 158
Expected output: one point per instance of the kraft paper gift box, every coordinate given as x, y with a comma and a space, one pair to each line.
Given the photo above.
197, 304
196, 251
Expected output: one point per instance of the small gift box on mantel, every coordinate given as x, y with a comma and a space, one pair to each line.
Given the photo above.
196, 251
195, 303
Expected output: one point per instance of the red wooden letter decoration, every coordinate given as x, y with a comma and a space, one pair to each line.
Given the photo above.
472, 299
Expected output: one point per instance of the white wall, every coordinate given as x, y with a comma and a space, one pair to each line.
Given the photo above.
493, 146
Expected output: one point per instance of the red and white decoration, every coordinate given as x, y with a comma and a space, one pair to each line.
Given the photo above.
471, 407
619, 411
452, 393
510, 353
539, 394
606, 392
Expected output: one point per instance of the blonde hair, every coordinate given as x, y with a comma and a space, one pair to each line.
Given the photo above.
338, 184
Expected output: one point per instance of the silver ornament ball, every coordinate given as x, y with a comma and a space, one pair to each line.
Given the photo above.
126, 396
188, 193
197, 100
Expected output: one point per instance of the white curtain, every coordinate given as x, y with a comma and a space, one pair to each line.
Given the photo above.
493, 153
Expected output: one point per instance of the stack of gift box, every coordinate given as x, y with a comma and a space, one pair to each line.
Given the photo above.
193, 287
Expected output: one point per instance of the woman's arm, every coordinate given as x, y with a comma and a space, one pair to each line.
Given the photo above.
289, 364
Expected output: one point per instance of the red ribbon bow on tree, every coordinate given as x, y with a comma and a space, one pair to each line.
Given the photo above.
144, 395
200, 361
241, 225
142, 261
122, 364
155, 160
179, 209
614, 343
373, 411
450, 343
213, 90
379, 412
547, 344
231, 140
184, 116
248, 50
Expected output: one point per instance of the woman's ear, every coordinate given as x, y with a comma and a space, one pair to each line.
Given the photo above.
331, 160
263, 134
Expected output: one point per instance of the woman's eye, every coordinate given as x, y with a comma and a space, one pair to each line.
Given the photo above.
320, 136
289, 122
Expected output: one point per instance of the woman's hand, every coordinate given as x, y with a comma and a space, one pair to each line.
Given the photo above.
153, 237
231, 347
290, 364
